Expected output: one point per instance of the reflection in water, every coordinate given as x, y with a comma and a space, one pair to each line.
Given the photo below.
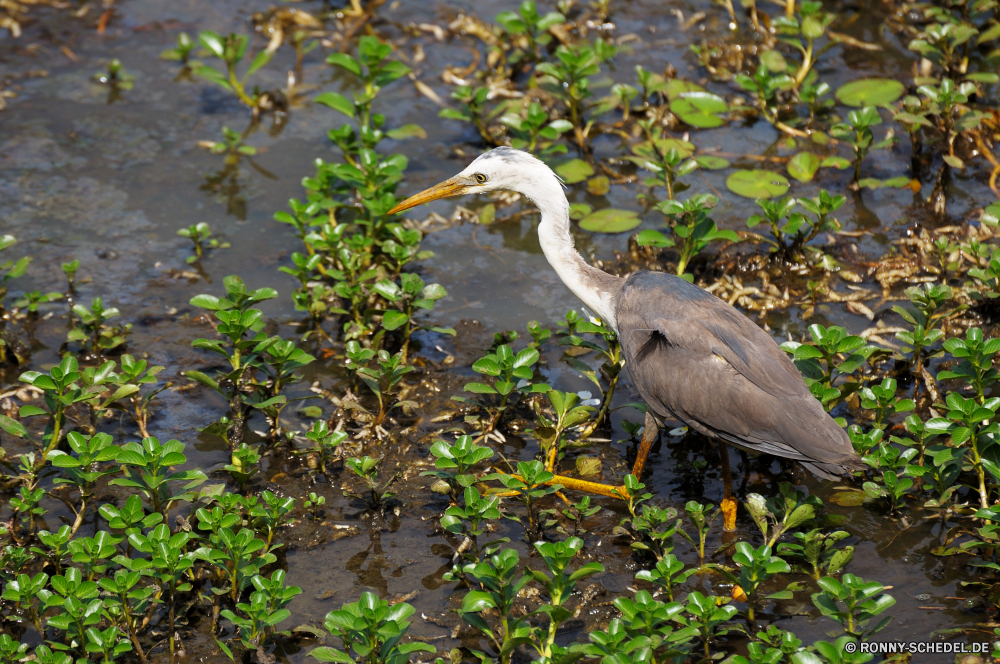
228, 184
864, 217
371, 576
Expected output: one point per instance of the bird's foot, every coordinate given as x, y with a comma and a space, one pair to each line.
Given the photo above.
729, 514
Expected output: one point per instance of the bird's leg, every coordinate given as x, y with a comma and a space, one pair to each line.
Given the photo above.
652, 429
649, 433
573, 484
728, 502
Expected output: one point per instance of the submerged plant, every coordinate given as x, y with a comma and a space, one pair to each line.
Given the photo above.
231, 50
692, 226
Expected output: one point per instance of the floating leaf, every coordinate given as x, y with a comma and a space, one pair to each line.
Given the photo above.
664, 145
311, 412
757, 184
578, 211
487, 214
574, 170
711, 162
588, 465
407, 131
610, 220
835, 162
875, 183
820, 137
599, 186
870, 92
698, 109
852, 498
803, 166
675, 87
954, 162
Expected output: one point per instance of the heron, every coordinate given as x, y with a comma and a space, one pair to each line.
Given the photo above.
691, 356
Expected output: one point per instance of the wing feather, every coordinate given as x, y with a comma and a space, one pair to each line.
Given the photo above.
695, 358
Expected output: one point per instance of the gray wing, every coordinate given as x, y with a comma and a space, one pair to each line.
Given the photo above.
694, 357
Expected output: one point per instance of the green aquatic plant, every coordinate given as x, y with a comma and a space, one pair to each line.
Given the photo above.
83, 468
854, 603
756, 566
454, 463
182, 51
148, 467
605, 347
571, 72
692, 225
535, 132
370, 631
531, 26
231, 49
324, 443
816, 549
366, 468
512, 375
857, 132
200, 235
528, 487
90, 330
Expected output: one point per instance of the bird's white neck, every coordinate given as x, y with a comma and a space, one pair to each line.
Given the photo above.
595, 288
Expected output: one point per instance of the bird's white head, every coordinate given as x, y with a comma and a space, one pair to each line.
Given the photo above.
499, 169
513, 170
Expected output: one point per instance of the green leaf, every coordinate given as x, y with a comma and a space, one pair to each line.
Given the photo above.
610, 220
983, 76
835, 162
13, 427
699, 109
476, 601
599, 185
757, 184
851, 498
651, 238
209, 302
574, 170
213, 42
407, 131
326, 654
578, 211
259, 61
28, 410
774, 61
479, 388
874, 183
214, 75
803, 166
675, 87
392, 320
870, 92
711, 162
345, 61
337, 102
452, 114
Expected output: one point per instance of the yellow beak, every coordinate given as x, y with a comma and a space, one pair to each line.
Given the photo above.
450, 187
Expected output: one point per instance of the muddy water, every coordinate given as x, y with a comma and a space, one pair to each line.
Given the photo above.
109, 181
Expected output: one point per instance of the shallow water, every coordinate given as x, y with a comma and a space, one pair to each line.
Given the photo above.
110, 184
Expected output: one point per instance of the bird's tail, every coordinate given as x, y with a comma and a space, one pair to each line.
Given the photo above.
833, 471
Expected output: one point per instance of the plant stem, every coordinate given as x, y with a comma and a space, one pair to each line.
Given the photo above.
170, 637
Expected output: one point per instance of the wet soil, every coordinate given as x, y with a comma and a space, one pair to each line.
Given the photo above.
109, 180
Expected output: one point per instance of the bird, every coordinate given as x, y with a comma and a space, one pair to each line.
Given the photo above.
691, 356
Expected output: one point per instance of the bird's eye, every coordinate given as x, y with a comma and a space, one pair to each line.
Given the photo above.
480, 178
